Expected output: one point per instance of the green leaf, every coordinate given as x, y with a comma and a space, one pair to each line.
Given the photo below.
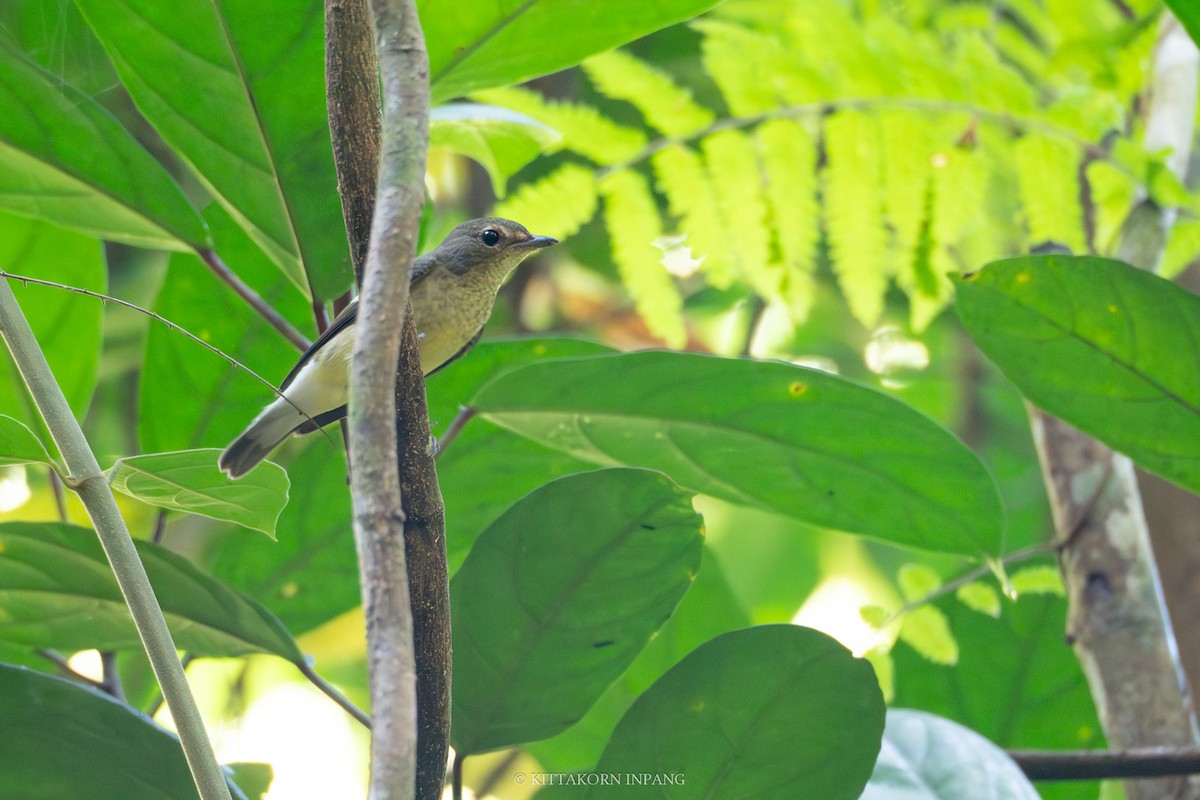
557, 205
480, 43
311, 574
468, 466
66, 740
188, 480
936, 759
1189, 14
733, 166
1040, 579
1106, 347
634, 229
57, 590
66, 160
559, 595
738, 738
189, 396
254, 779
67, 325
981, 597
792, 440
667, 107
18, 445
917, 581
501, 140
789, 165
1047, 172
926, 630
244, 104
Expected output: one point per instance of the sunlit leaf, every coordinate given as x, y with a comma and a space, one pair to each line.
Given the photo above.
188, 480
18, 445
501, 140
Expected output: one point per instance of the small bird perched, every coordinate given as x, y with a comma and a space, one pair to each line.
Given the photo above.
452, 292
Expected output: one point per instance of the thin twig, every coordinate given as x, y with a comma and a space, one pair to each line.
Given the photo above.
253, 299
465, 415
112, 676
493, 778
1088, 765
60, 499
333, 694
60, 661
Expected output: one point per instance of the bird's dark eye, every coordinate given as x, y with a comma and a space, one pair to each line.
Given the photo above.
490, 237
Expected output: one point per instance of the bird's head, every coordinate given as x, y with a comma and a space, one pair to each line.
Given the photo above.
496, 244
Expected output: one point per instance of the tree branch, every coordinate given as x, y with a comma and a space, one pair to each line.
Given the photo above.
93, 489
252, 298
1087, 765
374, 476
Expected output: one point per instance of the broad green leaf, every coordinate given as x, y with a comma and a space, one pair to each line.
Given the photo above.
18, 445
708, 609
559, 596
67, 325
468, 466
188, 480
477, 44
1106, 347
243, 103
66, 160
311, 574
1189, 14
774, 711
253, 778
925, 757
57, 591
189, 396
501, 140
796, 441
67, 740
1016, 680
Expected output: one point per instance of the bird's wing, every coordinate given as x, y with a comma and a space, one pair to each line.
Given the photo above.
462, 352
343, 320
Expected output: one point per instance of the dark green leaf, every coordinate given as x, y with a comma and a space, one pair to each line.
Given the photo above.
796, 441
774, 711
65, 740
244, 103
1188, 13
57, 590
311, 574
1106, 347
708, 609
188, 396
188, 480
935, 759
559, 595
468, 466
18, 445
67, 325
65, 159
477, 44
501, 140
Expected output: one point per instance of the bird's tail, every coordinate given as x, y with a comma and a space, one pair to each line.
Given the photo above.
265, 433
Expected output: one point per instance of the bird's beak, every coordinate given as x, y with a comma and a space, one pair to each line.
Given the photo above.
537, 242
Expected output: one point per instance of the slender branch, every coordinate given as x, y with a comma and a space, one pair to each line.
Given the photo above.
93, 489
60, 499
375, 477
493, 778
456, 779
253, 299
1087, 765
112, 676
64, 666
465, 415
332, 693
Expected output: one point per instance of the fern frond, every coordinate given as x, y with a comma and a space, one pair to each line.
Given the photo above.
1047, 174
907, 165
633, 228
681, 176
854, 212
557, 205
584, 129
746, 66
789, 163
733, 165
1113, 193
667, 107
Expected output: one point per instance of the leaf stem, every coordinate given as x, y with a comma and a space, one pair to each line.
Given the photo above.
253, 299
331, 691
93, 489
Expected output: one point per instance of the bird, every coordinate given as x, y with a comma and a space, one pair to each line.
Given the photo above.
452, 292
